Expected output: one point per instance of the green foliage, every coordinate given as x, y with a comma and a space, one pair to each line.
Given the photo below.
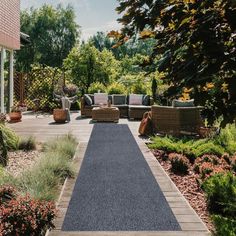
65, 145
133, 47
27, 144
224, 225
88, 65
43, 81
96, 87
195, 46
10, 137
208, 148
154, 88
189, 147
179, 163
53, 32
221, 194
139, 88
6, 178
227, 139
3, 151
42, 181
116, 88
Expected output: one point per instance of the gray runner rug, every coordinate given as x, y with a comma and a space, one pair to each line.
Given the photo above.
115, 189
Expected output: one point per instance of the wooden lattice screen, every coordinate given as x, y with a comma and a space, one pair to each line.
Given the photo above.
38, 88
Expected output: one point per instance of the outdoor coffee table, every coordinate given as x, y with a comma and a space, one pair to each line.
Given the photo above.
111, 114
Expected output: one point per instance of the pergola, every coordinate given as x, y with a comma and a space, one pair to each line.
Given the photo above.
9, 42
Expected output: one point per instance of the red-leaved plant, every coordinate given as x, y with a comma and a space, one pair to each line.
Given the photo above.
23, 215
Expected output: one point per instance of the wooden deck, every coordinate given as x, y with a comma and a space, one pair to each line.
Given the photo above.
43, 128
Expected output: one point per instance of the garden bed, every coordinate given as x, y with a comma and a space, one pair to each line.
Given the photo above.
19, 161
190, 189
31, 177
204, 170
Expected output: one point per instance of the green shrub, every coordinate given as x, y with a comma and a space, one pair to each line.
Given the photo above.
10, 137
53, 167
220, 190
179, 163
227, 139
6, 178
165, 144
224, 226
27, 144
116, 88
96, 87
65, 144
208, 148
139, 88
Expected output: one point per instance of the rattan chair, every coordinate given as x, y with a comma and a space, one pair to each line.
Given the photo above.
176, 120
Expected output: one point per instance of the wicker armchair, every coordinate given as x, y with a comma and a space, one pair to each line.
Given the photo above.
175, 120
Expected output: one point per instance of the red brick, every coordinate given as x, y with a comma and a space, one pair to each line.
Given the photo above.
10, 24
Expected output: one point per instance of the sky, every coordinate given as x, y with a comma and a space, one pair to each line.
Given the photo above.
91, 15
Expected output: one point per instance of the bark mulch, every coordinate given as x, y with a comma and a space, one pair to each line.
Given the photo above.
189, 187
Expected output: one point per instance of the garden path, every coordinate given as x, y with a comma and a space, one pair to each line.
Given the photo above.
43, 129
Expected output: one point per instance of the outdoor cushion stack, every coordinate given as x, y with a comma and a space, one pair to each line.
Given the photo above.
132, 106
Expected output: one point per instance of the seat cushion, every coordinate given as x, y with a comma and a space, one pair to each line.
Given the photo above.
138, 107
121, 106
135, 99
179, 103
100, 98
146, 100
88, 100
119, 99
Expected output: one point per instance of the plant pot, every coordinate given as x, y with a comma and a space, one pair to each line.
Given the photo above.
15, 116
59, 115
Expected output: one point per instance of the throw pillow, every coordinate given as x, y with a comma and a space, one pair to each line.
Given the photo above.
119, 99
88, 100
135, 99
100, 98
146, 100
179, 103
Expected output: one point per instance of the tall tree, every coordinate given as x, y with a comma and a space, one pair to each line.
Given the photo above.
134, 46
88, 65
53, 33
196, 45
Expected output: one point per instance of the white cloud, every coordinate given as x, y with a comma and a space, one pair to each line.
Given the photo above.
88, 32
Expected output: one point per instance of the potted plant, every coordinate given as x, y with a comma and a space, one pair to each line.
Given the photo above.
15, 114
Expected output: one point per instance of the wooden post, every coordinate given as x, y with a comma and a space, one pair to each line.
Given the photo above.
2, 79
11, 81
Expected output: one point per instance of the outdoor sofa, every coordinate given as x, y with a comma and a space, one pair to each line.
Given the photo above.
180, 118
128, 109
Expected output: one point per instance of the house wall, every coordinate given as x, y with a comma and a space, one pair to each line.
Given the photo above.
10, 24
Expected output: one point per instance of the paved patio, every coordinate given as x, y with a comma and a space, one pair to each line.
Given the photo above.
43, 128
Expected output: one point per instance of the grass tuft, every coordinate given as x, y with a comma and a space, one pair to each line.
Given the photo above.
27, 144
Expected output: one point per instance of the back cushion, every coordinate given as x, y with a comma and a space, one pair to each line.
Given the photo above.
146, 100
110, 98
100, 98
88, 100
119, 99
135, 99
179, 103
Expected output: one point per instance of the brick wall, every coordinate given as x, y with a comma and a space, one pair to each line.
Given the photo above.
10, 24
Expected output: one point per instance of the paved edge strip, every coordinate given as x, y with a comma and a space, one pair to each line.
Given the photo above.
189, 221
